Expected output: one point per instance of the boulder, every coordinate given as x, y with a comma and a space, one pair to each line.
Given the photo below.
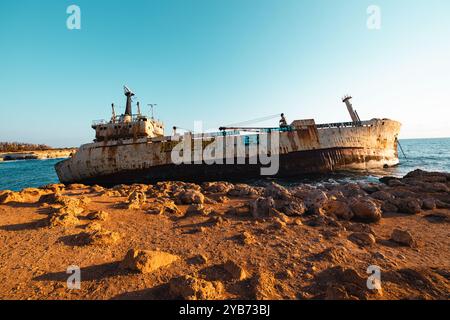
243, 190
32, 192
76, 186
362, 238
389, 206
359, 227
193, 288
293, 207
11, 196
341, 282
235, 270
62, 220
93, 226
370, 187
146, 261
198, 209
313, 199
55, 187
429, 204
366, 209
190, 197
339, 209
69, 209
279, 223
217, 187
402, 237
261, 206
164, 206
409, 205
98, 215
353, 190
382, 195
96, 189
112, 193
136, 200
429, 176
100, 237
276, 191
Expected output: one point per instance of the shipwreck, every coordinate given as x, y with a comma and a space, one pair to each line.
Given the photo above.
132, 148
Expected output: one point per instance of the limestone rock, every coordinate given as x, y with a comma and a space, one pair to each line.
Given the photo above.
235, 270
243, 190
402, 237
429, 204
193, 288
294, 207
409, 205
136, 200
146, 261
217, 187
340, 209
362, 238
63, 220
389, 206
276, 191
98, 215
261, 206
263, 286
164, 206
71, 209
366, 209
382, 195
190, 197
313, 198
198, 209
10, 196
54, 188
97, 189
76, 186
100, 237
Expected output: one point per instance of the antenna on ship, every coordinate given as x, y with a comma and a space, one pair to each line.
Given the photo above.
139, 108
351, 111
152, 105
113, 117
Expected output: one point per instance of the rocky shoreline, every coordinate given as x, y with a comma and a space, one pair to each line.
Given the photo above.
37, 155
220, 240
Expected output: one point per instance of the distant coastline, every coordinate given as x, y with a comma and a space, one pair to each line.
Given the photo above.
37, 154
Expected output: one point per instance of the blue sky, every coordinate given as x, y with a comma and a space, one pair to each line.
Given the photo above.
221, 61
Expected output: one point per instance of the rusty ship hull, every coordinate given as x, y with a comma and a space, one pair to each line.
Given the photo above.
306, 149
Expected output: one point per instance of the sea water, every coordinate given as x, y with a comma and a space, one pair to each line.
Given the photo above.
425, 154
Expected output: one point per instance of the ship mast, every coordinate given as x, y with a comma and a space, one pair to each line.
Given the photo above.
351, 111
128, 111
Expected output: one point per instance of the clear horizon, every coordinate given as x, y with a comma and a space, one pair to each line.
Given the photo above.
222, 62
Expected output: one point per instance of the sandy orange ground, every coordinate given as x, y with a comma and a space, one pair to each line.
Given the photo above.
34, 257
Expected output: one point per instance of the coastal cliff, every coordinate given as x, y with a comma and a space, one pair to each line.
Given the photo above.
220, 240
38, 154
